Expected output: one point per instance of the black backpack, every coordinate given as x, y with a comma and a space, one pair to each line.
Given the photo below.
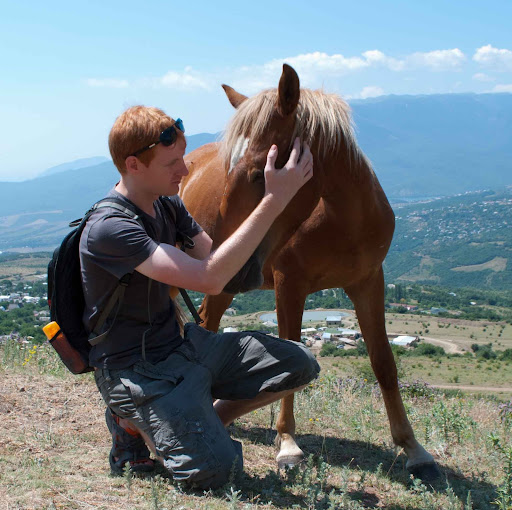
65, 294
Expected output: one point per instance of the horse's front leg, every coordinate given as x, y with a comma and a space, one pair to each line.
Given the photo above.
212, 309
290, 299
368, 299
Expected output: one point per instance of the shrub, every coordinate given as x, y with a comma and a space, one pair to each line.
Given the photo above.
483, 351
418, 389
329, 349
505, 412
506, 355
425, 349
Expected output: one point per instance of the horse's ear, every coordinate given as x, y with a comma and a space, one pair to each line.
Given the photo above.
235, 98
288, 91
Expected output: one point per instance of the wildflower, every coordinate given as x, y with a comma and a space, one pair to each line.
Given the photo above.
31, 353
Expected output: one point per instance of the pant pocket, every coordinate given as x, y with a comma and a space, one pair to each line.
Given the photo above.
188, 454
143, 393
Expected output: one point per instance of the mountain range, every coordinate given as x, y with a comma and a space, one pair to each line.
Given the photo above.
420, 146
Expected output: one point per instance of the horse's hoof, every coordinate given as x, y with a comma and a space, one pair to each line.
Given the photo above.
289, 461
427, 471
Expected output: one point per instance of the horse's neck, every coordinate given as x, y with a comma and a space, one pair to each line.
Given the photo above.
345, 180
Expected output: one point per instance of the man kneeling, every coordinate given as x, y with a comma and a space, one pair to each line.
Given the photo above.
154, 381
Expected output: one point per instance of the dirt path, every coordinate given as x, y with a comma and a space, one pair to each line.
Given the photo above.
448, 345
471, 388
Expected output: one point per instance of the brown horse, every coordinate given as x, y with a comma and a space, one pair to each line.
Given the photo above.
334, 233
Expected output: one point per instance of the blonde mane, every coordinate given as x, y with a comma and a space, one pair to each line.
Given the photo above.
320, 117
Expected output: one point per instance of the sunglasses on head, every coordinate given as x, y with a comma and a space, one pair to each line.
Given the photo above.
167, 137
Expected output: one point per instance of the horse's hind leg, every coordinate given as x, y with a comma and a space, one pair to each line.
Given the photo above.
368, 299
290, 299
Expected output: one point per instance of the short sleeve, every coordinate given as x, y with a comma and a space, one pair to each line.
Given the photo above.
185, 223
119, 244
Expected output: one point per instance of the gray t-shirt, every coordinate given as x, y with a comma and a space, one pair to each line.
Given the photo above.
112, 245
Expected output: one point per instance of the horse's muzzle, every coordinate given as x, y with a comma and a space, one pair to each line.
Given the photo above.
248, 278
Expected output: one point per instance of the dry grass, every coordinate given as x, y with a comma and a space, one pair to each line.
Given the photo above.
28, 266
460, 333
54, 447
496, 264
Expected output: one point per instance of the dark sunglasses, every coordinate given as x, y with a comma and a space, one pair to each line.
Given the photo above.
167, 137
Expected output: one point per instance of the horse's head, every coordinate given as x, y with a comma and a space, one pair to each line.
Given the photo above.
271, 117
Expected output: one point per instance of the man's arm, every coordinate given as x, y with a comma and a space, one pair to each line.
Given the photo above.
169, 265
202, 246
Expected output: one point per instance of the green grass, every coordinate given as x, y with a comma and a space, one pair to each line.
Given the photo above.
54, 447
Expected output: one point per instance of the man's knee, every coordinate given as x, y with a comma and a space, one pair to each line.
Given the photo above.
213, 472
307, 365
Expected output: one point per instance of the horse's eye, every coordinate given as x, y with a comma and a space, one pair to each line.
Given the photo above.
257, 176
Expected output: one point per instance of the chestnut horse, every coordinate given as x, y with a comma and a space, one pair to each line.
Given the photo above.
334, 233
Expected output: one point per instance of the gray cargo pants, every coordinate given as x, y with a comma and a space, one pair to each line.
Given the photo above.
171, 401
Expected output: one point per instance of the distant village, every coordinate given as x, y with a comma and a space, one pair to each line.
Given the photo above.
17, 299
334, 332
332, 329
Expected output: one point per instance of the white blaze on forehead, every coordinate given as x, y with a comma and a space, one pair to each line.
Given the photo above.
238, 151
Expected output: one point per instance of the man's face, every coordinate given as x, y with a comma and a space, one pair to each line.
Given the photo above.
163, 175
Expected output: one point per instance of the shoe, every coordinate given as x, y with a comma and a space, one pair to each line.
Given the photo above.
127, 447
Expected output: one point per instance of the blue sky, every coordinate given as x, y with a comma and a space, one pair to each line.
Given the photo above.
69, 68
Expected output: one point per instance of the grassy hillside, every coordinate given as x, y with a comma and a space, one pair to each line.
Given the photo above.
54, 448
459, 241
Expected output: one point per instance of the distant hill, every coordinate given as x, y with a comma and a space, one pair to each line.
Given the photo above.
461, 241
195, 141
420, 146
73, 165
437, 145
36, 213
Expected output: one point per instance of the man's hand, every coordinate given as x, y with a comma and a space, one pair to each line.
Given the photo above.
282, 184
169, 265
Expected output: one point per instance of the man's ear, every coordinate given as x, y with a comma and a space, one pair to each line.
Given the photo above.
132, 164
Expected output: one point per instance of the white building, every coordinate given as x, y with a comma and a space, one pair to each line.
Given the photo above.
404, 340
333, 320
326, 337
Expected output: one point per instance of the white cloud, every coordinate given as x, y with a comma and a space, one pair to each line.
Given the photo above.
497, 59
315, 67
483, 77
438, 60
107, 83
502, 88
371, 91
312, 69
376, 57
188, 79
323, 62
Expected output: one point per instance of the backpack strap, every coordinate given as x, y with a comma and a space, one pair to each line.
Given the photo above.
117, 296
114, 203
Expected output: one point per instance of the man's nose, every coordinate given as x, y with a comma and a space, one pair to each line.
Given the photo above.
184, 169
